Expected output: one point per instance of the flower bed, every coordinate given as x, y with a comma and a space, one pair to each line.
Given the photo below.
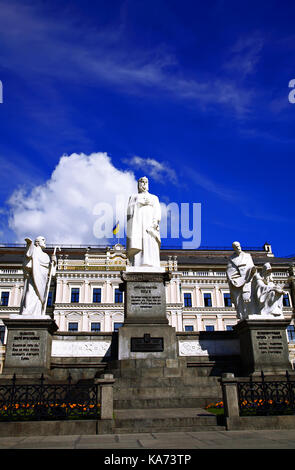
52, 411
260, 407
215, 408
257, 407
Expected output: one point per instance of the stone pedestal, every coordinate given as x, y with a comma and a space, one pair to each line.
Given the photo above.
28, 348
146, 333
263, 346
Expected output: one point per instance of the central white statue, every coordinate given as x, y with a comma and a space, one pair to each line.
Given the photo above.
143, 233
37, 269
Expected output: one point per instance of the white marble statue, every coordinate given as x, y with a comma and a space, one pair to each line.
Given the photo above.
143, 233
268, 295
38, 269
240, 272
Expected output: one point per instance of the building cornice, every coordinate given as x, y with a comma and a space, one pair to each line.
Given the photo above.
91, 306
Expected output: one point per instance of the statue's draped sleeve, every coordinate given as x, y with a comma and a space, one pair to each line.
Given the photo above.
140, 219
134, 226
36, 263
40, 261
238, 275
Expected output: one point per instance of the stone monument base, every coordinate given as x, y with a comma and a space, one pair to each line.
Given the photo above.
28, 348
146, 333
145, 341
263, 346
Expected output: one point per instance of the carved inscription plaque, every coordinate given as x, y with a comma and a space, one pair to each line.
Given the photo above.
147, 344
145, 296
25, 346
269, 342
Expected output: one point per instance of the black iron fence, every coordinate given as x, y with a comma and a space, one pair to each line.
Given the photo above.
266, 397
19, 402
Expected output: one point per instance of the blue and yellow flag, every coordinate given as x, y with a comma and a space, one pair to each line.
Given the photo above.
116, 228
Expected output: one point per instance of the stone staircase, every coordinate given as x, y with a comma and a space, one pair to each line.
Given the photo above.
164, 420
157, 395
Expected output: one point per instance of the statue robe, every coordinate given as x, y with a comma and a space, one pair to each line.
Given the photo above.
269, 302
143, 239
240, 283
36, 265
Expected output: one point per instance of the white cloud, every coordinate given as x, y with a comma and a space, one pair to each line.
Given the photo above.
41, 47
245, 55
62, 209
158, 170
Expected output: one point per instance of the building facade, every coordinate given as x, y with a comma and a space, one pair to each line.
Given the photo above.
85, 295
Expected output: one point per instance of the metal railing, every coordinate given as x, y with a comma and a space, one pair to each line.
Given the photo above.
35, 402
266, 397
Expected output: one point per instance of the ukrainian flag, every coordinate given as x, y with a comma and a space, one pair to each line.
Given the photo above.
116, 228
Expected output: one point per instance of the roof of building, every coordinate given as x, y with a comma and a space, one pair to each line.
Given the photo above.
13, 255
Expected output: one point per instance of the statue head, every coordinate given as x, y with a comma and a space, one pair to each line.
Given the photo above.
237, 247
143, 184
40, 241
266, 270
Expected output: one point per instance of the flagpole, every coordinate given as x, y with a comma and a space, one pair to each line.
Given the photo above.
116, 231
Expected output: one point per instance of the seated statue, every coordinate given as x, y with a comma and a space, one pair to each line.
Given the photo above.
269, 296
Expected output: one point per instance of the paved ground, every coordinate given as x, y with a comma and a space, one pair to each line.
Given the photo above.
271, 439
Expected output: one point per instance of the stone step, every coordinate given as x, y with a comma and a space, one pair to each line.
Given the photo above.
189, 390
164, 420
143, 387
166, 392
162, 372
150, 429
161, 368
183, 402
166, 381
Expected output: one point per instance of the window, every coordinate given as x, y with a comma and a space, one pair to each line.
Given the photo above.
210, 328
50, 299
2, 334
229, 327
227, 300
291, 333
96, 298
188, 328
73, 326
286, 300
187, 299
4, 298
117, 326
118, 296
207, 300
75, 295
95, 326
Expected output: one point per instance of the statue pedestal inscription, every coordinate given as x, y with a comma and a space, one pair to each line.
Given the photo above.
28, 348
146, 332
264, 346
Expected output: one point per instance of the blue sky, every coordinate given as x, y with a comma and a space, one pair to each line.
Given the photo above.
192, 94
